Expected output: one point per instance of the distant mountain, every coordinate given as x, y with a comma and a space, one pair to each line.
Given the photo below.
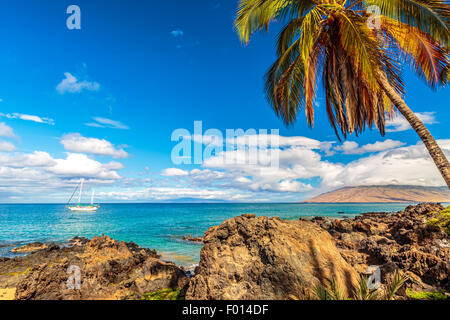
384, 194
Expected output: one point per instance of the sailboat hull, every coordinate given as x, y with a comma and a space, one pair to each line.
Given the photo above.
85, 209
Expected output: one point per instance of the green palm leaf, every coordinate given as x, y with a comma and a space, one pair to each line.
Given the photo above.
430, 16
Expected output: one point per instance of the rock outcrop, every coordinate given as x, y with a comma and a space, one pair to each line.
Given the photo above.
31, 247
106, 269
267, 258
190, 238
396, 241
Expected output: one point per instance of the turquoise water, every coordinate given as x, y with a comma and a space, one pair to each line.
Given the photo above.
156, 226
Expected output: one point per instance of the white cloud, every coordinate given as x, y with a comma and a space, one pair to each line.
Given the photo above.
168, 194
73, 85
83, 166
6, 146
35, 176
351, 147
389, 163
177, 33
302, 165
295, 163
35, 159
262, 141
410, 165
399, 123
207, 175
6, 131
299, 158
174, 172
75, 142
301, 161
107, 123
29, 117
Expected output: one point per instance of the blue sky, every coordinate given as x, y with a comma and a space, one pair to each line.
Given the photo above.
102, 102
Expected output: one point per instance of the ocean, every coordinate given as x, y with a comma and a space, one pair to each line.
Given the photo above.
156, 226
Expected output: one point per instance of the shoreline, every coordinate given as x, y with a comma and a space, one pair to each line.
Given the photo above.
155, 226
183, 260
379, 237
178, 256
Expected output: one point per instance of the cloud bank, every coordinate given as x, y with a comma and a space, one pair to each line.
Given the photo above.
307, 167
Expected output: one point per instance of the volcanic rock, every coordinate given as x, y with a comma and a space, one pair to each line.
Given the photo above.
397, 241
267, 258
31, 247
106, 269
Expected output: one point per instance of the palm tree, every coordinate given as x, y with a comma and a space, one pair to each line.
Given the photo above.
358, 55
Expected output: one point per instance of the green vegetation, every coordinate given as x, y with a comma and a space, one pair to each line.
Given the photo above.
394, 285
442, 220
165, 294
18, 273
424, 295
363, 292
332, 291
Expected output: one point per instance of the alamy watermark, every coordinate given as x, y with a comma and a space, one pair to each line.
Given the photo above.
74, 280
374, 279
73, 22
374, 20
236, 146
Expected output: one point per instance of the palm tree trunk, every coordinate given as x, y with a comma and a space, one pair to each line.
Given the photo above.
433, 148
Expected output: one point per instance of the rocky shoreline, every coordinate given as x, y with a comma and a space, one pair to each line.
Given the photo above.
245, 257
400, 241
107, 269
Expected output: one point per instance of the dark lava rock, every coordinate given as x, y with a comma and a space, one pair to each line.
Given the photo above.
400, 240
107, 269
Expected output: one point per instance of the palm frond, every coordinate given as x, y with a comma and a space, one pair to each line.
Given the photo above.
430, 16
332, 39
255, 15
359, 42
334, 93
285, 88
288, 35
309, 32
427, 56
446, 74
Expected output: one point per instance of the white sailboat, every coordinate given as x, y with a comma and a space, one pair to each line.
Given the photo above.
83, 207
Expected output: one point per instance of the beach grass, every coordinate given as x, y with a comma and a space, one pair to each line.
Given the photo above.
165, 294
442, 220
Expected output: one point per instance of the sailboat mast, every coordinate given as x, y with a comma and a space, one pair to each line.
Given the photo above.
81, 191
80, 207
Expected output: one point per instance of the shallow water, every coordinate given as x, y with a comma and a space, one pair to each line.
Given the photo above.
157, 226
